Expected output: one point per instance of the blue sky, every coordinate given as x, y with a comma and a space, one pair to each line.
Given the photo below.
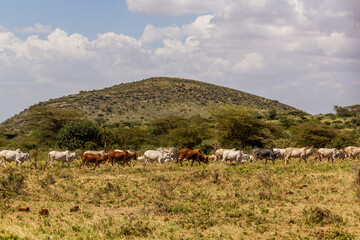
301, 52
87, 17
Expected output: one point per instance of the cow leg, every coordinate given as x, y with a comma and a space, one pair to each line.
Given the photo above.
96, 164
223, 160
192, 162
17, 162
62, 165
181, 160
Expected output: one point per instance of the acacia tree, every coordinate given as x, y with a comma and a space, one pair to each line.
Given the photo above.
45, 121
238, 127
314, 134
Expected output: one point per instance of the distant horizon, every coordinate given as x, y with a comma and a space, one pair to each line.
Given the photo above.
302, 53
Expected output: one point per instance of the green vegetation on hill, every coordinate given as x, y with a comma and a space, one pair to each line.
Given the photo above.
57, 124
151, 98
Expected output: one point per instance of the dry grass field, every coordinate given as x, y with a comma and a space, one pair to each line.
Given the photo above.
215, 201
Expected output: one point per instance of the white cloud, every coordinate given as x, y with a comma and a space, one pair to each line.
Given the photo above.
153, 34
37, 28
251, 62
200, 28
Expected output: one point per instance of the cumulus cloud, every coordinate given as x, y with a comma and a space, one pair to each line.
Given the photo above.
251, 62
285, 51
37, 28
153, 34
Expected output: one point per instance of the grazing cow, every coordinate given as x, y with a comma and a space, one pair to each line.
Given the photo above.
141, 159
329, 153
301, 153
219, 153
281, 152
267, 154
212, 157
352, 152
247, 158
18, 156
173, 151
232, 155
93, 158
193, 154
124, 157
63, 157
155, 155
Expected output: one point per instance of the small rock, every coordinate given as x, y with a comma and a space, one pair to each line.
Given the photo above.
24, 209
44, 212
74, 209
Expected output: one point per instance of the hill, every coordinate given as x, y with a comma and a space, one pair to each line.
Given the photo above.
153, 98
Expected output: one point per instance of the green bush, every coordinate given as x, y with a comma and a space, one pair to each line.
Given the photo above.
76, 134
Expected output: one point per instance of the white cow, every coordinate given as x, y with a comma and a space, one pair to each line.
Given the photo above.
18, 156
281, 152
174, 152
154, 155
219, 153
118, 150
102, 152
301, 153
247, 158
232, 155
63, 157
352, 152
329, 153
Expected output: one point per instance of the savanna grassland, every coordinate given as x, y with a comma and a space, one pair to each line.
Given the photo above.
317, 200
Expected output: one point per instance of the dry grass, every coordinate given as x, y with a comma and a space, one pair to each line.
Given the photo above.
251, 201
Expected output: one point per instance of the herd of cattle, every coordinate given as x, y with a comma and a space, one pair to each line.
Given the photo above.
163, 155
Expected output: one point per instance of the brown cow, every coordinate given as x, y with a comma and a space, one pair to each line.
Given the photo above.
93, 158
193, 154
123, 157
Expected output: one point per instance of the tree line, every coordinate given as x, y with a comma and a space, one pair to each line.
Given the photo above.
227, 127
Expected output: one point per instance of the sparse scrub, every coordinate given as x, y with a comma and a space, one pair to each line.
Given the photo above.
166, 201
317, 215
12, 182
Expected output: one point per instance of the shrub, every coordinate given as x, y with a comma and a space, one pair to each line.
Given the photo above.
77, 133
12, 182
334, 234
316, 215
